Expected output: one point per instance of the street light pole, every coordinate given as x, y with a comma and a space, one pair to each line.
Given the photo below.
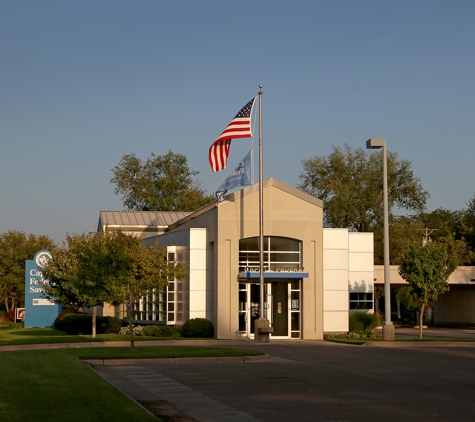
388, 327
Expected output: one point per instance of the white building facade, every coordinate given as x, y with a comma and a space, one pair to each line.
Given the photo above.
314, 277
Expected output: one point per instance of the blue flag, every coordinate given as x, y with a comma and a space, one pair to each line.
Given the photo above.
240, 176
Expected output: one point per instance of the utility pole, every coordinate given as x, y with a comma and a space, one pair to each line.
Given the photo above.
427, 232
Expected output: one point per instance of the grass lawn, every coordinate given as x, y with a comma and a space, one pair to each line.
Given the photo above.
16, 334
56, 385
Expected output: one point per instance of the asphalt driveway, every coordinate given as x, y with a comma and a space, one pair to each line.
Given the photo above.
313, 381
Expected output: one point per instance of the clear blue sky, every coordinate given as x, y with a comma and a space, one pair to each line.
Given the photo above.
85, 82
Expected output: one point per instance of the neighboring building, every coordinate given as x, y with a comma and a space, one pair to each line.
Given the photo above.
142, 224
455, 307
313, 276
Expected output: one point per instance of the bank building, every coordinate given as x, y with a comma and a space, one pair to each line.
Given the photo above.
313, 276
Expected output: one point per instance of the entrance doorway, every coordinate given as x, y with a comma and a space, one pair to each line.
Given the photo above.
282, 308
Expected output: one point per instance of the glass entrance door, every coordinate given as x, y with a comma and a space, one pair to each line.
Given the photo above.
279, 308
283, 308
249, 308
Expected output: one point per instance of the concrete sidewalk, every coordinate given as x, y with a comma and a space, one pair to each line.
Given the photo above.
162, 396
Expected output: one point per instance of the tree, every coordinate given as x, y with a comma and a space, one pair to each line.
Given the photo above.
403, 232
408, 303
350, 181
427, 269
452, 228
81, 273
160, 183
15, 248
444, 226
467, 229
471, 206
107, 267
144, 269
445, 222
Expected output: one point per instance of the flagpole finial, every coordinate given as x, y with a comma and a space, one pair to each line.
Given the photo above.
260, 89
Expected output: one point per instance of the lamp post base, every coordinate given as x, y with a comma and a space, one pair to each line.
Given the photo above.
262, 330
388, 332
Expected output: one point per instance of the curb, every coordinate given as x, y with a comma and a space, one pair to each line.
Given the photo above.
138, 343
410, 344
176, 361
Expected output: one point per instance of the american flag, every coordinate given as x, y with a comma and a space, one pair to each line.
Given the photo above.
240, 127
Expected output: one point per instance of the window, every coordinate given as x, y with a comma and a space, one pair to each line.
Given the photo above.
280, 254
361, 300
158, 306
150, 308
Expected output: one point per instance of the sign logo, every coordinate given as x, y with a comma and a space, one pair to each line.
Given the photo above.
42, 258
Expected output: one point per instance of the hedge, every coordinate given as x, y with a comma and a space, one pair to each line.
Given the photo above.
198, 328
75, 324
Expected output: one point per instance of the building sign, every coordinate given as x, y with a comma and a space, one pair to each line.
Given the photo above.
253, 272
277, 269
20, 315
40, 311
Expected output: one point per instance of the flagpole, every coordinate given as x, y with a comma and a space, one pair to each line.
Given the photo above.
261, 213
262, 330
252, 163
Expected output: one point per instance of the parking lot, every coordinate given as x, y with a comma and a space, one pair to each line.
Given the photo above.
323, 381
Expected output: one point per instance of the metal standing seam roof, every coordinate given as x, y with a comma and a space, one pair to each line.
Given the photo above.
140, 218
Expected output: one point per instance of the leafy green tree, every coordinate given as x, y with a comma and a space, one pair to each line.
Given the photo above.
403, 232
15, 248
160, 183
467, 229
408, 303
427, 269
142, 270
81, 273
448, 227
444, 226
445, 222
107, 267
471, 205
350, 181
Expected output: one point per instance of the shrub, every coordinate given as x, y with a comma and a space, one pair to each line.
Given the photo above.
74, 324
107, 325
60, 317
167, 331
10, 315
159, 331
362, 322
137, 330
350, 335
197, 328
151, 330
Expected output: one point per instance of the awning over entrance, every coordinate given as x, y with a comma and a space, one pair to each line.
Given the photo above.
273, 274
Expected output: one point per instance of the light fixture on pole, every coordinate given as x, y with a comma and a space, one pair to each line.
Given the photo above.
388, 327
